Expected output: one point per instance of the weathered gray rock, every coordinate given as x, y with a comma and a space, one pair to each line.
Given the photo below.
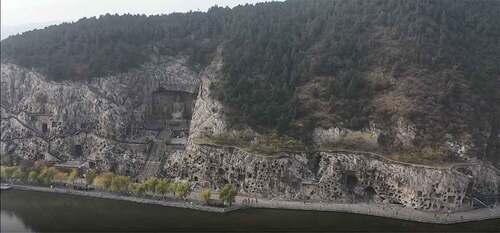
107, 121
208, 113
144, 123
334, 176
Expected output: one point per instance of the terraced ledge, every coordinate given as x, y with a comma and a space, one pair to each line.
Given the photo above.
283, 153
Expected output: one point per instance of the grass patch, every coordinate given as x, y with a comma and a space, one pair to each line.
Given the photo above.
272, 144
427, 156
352, 140
268, 144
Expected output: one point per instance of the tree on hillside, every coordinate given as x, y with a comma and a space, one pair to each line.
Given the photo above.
298, 65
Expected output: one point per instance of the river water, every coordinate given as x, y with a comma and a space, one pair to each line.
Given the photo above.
27, 211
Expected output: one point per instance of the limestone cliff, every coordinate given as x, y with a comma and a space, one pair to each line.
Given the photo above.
145, 123
113, 122
344, 176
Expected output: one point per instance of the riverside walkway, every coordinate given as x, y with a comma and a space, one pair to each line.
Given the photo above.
241, 202
381, 210
196, 205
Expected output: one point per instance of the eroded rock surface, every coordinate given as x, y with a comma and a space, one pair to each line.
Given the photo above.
335, 176
144, 123
113, 122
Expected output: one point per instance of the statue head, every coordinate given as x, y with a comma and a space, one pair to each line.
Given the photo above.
178, 108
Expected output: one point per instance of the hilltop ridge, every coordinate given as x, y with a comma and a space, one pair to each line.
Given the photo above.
419, 78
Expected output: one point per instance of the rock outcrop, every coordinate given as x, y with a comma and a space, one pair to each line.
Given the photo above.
335, 176
208, 116
112, 122
144, 123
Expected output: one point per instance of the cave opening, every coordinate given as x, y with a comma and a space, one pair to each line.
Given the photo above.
78, 151
45, 129
350, 181
370, 193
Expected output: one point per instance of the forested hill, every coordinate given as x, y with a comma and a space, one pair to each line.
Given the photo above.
297, 65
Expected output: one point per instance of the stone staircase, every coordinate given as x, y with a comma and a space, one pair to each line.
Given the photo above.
152, 166
150, 169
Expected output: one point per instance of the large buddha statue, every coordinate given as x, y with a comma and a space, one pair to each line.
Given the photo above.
178, 109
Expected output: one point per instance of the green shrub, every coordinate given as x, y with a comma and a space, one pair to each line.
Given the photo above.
183, 189
137, 189
3, 174
9, 171
228, 194
119, 184
20, 175
205, 195
357, 140
33, 176
150, 184
72, 175
162, 186
90, 176
46, 175
172, 187
103, 181
61, 177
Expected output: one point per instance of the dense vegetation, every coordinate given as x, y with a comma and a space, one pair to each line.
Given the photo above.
296, 65
39, 173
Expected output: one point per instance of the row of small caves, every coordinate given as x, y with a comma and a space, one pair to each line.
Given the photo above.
167, 114
171, 111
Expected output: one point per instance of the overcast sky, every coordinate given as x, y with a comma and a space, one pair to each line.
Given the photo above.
18, 16
19, 12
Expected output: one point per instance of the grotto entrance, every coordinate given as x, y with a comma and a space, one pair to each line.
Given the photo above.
350, 180
45, 129
171, 105
77, 151
370, 193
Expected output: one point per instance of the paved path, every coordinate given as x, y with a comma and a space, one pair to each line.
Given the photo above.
105, 195
382, 210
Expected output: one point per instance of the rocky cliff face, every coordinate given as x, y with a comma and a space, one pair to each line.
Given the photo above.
208, 113
145, 122
335, 176
112, 122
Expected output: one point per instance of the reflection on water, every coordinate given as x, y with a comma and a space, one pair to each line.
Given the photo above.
11, 223
37, 211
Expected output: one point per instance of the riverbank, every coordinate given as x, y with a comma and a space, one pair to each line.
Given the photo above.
386, 210
96, 194
380, 210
